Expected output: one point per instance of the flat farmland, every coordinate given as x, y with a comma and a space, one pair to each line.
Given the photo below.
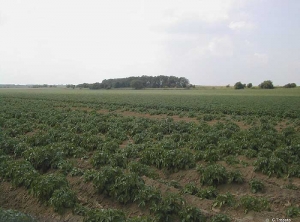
205, 154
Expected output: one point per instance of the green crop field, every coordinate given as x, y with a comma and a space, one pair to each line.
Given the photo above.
206, 154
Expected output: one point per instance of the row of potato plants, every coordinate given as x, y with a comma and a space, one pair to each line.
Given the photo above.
212, 141
45, 138
285, 106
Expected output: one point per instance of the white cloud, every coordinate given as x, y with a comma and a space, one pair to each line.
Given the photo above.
164, 13
206, 10
261, 57
221, 46
241, 25
79, 41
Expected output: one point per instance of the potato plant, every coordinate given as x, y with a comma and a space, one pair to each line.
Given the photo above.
226, 199
126, 187
216, 174
15, 216
256, 186
105, 215
21, 173
62, 199
221, 218
44, 186
172, 160
168, 208
254, 203
147, 196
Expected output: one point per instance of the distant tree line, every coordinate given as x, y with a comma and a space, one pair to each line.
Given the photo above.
71, 86
43, 86
140, 82
268, 84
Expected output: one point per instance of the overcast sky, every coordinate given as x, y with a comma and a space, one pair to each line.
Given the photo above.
211, 42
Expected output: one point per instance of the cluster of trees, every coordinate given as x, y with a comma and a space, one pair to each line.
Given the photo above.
240, 85
71, 86
264, 85
268, 84
290, 85
140, 82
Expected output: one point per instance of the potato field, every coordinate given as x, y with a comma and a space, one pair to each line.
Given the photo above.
149, 155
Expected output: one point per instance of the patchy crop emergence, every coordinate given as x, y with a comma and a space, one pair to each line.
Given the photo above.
150, 155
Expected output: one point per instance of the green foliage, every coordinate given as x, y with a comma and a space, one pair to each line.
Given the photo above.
126, 187
172, 160
293, 211
90, 175
15, 216
76, 172
190, 188
294, 170
46, 130
212, 155
231, 160
105, 215
168, 208
43, 158
44, 186
142, 169
256, 186
224, 200
100, 158
191, 214
266, 85
212, 174
239, 85
271, 165
249, 85
257, 204
221, 218
207, 193
235, 177
80, 210
65, 166
8, 145
118, 160
291, 186
62, 199
290, 85
208, 117
216, 174
140, 219
137, 84
105, 179
171, 183
21, 173
250, 153
148, 195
